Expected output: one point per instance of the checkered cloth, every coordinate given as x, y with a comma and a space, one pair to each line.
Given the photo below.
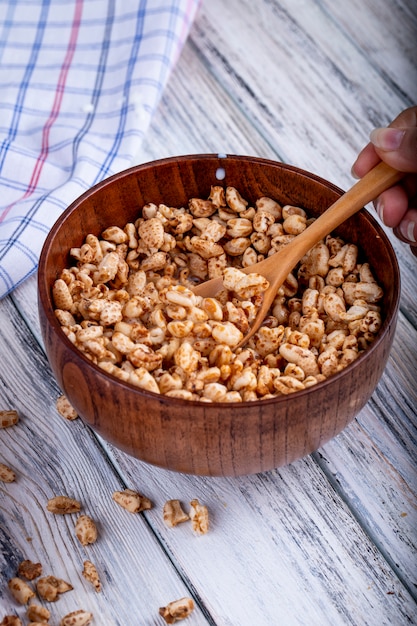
79, 81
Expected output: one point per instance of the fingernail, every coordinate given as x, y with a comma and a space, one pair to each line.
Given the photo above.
379, 206
353, 173
387, 138
408, 230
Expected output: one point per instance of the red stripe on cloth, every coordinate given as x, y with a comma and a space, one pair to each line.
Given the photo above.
59, 94
192, 5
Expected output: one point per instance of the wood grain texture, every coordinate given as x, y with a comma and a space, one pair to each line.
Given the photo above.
332, 538
276, 549
50, 457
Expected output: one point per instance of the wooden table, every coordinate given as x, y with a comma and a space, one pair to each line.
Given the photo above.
329, 540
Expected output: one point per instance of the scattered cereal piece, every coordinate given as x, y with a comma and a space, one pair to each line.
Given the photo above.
86, 530
49, 587
65, 409
11, 620
38, 614
77, 618
90, 573
29, 570
20, 590
199, 517
62, 505
173, 513
8, 418
177, 610
132, 500
7, 475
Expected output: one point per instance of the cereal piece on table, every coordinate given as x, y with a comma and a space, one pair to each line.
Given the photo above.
173, 513
90, 573
11, 620
177, 610
132, 501
20, 590
85, 530
199, 517
29, 570
77, 618
61, 505
7, 475
38, 614
8, 418
65, 409
49, 588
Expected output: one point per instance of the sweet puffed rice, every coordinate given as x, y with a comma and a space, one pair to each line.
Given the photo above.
173, 513
85, 530
128, 304
7, 475
90, 573
77, 618
65, 408
20, 590
49, 588
8, 418
29, 570
61, 505
177, 610
37, 613
199, 517
11, 620
132, 501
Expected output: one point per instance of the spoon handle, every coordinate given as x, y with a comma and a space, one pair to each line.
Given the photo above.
276, 267
380, 178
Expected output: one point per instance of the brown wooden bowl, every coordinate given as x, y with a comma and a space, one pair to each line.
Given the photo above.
218, 439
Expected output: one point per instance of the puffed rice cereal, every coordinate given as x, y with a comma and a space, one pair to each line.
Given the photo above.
177, 610
8, 417
127, 301
7, 475
77, 618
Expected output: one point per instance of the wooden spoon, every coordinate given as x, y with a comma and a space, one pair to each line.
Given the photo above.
276, 267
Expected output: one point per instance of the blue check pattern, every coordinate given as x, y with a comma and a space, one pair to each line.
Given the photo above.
79, 82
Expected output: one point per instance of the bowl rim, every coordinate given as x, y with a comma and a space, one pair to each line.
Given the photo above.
44, 294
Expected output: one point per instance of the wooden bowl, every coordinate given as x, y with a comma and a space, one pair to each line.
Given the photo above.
218, 439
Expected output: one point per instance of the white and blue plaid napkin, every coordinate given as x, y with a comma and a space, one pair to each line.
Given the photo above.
79, 81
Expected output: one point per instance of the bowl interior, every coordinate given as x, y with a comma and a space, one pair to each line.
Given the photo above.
174, 181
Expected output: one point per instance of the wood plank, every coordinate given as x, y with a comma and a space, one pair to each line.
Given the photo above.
373, 460
392, 48
50, 457
283, 548
197, 115
315, 91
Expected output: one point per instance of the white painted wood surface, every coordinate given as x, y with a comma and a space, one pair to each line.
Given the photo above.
330, 540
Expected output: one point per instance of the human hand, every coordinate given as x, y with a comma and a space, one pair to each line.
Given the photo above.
397, 146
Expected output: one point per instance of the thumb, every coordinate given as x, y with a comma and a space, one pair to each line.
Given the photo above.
397, 147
